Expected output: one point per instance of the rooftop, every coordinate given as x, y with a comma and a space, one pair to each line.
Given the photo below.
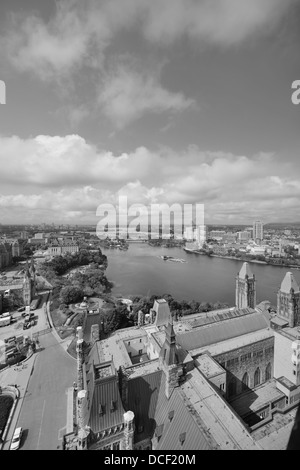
208, 366
254, 400
245, 271
225, 427
222, 330
233, 343
288, 283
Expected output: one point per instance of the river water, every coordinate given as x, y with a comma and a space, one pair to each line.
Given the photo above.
139, 270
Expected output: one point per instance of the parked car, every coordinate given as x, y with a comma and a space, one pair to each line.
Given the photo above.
21, 309
16, 440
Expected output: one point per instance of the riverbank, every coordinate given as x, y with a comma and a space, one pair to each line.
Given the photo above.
214, 255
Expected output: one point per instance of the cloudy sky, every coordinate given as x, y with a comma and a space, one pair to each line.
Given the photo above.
165, 101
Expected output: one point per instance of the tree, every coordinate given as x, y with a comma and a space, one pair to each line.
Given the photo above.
70, 295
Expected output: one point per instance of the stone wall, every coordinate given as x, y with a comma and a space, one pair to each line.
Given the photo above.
247, 359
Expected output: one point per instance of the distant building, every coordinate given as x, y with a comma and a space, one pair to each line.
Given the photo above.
217, 234
62, 248
243, 236
258, 231
200, 235
189, 233
5, 255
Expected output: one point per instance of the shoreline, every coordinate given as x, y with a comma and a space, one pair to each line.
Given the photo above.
256, 261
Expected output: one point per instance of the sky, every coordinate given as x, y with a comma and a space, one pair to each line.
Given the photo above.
162, 101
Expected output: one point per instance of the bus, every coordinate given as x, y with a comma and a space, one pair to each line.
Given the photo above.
35, 303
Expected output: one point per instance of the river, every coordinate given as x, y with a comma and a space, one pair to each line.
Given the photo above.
139, 270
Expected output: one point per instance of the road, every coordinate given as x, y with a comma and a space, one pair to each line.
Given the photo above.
43, 414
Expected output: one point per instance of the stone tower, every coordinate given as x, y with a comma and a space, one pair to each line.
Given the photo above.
245, 289
288, 300
27, 286
169, 360
33, 278
128, 430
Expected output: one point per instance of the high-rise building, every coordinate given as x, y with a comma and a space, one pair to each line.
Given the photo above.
200, 235
189, 233
258, 231
243, 236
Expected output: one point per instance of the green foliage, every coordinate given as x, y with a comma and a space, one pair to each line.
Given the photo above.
70, 295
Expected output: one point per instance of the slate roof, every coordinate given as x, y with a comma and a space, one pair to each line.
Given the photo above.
174, 420
245, 271
221, 331
104, 393
142, 400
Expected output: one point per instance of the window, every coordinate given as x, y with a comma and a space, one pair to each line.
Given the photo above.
257, 377
222, 387
268, 372
245, 381
171, 415
182, 438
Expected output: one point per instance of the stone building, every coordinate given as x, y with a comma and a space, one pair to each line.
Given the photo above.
5, 255
29, 283
288, 300
245, 291
61, 248
211, 380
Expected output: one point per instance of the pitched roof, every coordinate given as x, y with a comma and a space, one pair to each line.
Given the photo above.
161, 307
221, 331
245, 271
103, 415
175, 424
142, 400
288, 283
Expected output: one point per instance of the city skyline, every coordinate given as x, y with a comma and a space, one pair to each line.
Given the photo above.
164, 102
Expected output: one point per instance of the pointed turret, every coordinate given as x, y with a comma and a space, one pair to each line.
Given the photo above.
168, 354
288, 300
245, 271
245, 291
288, 283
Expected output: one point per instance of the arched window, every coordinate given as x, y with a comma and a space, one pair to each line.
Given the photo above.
245, 381
268, 371
232, 387
257, 377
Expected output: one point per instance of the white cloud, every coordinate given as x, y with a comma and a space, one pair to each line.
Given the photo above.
126, 95
80, 31
55, 177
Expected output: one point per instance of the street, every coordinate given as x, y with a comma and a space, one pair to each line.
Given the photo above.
43, 414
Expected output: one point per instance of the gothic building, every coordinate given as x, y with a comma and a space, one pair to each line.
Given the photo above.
245, 290
211, 380
288, 300
29, 283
